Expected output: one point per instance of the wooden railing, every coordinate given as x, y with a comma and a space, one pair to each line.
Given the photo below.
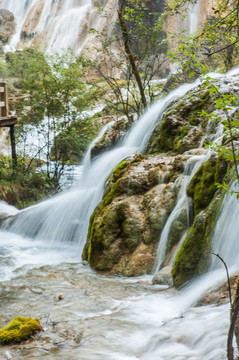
6, 120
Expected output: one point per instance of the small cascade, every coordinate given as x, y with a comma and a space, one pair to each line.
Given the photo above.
191, 167
193, 17
225, 236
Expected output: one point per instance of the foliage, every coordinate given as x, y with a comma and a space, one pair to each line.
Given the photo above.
53, 93
219, 35
72, 142
23, 187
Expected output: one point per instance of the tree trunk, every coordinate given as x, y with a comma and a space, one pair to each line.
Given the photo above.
129, 54
234, 316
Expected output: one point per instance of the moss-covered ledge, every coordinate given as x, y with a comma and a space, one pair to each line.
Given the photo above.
182, 126
193, 255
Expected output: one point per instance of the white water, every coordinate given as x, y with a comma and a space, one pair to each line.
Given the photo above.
193, 16
191, 167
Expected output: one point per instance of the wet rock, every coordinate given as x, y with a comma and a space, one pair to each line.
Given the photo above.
164, 277
77, 339
192, 257
112, 136
203, 186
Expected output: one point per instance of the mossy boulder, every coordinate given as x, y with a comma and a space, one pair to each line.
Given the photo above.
125, 228
190, 252
19, 329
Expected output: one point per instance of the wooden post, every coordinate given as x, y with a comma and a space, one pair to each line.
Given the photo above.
6, 120
13, 146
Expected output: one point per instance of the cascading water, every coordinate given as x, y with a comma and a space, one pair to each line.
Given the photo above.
53, 25
118, 319
20, 10
66, 217
182, 203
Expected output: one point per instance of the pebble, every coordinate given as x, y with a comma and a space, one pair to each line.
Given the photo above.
8, 355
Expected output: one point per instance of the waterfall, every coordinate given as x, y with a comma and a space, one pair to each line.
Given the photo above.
65, 217
140, 321
226, 232
53, 25
21, 10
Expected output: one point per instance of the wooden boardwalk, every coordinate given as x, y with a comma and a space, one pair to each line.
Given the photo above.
7, 121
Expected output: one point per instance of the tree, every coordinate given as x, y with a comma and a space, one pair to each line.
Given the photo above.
132, 56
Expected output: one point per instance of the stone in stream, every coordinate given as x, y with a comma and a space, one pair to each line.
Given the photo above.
164, 277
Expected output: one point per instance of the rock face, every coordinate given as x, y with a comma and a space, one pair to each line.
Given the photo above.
141, 193
7, 25
182, 127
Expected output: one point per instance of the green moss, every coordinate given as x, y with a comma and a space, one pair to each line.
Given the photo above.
162, 139
192, 257
19, 329
103, 249
203, 185
190, 253
119, 170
